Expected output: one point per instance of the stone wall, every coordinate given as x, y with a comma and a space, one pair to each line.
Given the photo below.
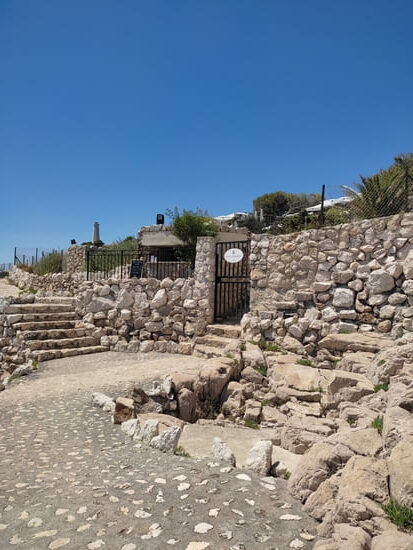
75, 259
357, 276
63, 284
149, 314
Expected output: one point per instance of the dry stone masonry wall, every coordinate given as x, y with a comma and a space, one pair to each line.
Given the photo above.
352, 277
64, 284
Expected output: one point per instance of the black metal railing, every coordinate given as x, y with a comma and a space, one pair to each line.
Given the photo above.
104, 264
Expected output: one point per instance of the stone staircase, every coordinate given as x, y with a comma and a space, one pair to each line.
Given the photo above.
49, 328
218, 341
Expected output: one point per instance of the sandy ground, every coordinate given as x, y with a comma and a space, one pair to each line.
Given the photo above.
7, 289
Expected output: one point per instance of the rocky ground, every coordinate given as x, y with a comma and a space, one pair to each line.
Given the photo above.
6, 289
71, 479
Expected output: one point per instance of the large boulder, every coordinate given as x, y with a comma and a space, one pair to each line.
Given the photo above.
187, 405
380, 281
363, 489
362, 441
124, 410
397, 424
390, 362
319, 463
221, 451
167, 441
400, 464
284, 371
361, 341
341, 386
259, 457
213, 377
358, 361
392, 540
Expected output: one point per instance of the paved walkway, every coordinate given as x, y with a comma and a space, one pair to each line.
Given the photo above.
7, 289
71, 479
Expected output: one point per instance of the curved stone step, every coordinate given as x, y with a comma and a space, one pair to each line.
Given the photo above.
34, 317
44, 325
64, 343
47, 355
54, 334
38, 308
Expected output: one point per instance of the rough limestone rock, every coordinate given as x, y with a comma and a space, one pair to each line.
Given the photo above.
397, 424
285, 371
125, 299
99, 304
103, 401
400, 395
187, 405
389, 363
221, 451
124, 410
167, 442
160, 299
408, 266
213, 377
344, 386
259, 458
363, 489
253, 356
392, 540
149, 430
349, 536
358, 361
344, 297
251, 375
362, 441
400, 464
322, 501
379, 281
370, 342
319, 463
130, 427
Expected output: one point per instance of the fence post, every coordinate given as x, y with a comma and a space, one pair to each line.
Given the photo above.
87, 265
323, 191
15, 255
121, 264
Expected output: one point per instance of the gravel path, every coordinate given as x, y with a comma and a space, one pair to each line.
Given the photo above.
71, 479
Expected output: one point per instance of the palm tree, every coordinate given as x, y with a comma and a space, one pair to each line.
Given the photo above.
384, 194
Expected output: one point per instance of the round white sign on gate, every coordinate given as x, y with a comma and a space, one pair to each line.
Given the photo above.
233, 255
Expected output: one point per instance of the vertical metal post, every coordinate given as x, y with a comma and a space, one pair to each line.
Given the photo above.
323, 192
121, 264
37, 250
87, 265
15, 255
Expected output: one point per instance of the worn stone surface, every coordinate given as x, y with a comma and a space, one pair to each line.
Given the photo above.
63, 462
259, 458
400, 464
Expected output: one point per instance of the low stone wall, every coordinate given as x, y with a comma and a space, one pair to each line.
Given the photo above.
357, 276
58, 284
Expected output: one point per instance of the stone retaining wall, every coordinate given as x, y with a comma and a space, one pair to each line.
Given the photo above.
75, 259
58, 284
357, 276
149, 314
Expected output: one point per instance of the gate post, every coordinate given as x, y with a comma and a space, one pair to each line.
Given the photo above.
204, 274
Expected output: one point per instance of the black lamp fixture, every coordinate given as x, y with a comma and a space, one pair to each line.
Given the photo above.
160, 219
73, 241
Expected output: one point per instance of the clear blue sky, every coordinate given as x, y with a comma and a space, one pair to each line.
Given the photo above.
114, 110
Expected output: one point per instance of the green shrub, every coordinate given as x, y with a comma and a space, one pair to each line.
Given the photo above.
243, 347
262, 370
180, 451
400, 515
4, 274
379, 387
52, 263
381, 363
351, 421
251, 424
26, 268
267, 346
378, 424
305, 362
287, 475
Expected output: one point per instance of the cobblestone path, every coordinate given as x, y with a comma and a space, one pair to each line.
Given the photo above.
71, 479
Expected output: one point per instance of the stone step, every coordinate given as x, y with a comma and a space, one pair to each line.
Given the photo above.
35, 317
39, 308
200, 350
64, 343
54, 334
54, 300
44, 325
47, 355
229, 331
215, 341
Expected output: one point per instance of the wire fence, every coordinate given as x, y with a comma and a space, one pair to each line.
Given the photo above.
5, 267
31, 256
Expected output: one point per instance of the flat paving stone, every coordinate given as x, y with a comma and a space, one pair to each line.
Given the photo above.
71, 479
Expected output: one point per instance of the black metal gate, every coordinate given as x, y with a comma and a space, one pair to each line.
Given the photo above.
232, 281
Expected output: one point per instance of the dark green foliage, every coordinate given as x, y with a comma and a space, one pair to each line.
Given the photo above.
4, 274
287, 475
267, 346
378, 424
385, 193
305, 362
262, 370
129, 244
243, 347
251, 424
274, 205
400, 515
337, 215
252, 223
209, 409
52, 263
379, 387
180, 451
190, 225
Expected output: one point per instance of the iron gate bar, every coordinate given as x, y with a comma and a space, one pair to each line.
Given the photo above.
232, 283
